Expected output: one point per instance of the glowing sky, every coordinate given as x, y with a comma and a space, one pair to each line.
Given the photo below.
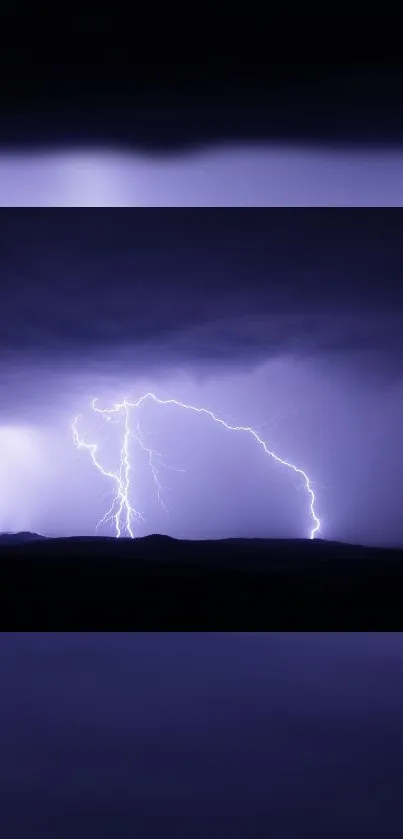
122, 513
236, 175
288, 321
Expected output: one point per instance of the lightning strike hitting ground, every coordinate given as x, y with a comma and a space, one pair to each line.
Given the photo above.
121, 509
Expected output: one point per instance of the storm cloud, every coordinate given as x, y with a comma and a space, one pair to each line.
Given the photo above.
290, 321
216, 286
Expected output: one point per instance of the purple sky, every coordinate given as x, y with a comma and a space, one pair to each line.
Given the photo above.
289, 321
201, 734
233, 175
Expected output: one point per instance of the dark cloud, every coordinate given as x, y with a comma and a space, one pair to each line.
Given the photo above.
199, 284
109, 293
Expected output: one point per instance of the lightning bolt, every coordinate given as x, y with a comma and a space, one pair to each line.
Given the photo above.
121, 510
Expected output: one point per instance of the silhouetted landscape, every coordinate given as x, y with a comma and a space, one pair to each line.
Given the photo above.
159, 582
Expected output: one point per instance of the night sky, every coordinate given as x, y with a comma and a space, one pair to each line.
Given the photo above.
286, 320
201, 734
312, 138
125, 126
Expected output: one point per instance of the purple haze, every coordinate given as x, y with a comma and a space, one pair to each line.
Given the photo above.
201, 734
263, 175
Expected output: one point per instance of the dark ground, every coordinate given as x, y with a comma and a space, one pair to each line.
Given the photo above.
162, 583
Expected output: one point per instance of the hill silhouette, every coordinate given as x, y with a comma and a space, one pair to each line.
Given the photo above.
20, 538
157, 582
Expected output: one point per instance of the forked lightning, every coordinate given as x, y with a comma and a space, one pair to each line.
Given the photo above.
121, 510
